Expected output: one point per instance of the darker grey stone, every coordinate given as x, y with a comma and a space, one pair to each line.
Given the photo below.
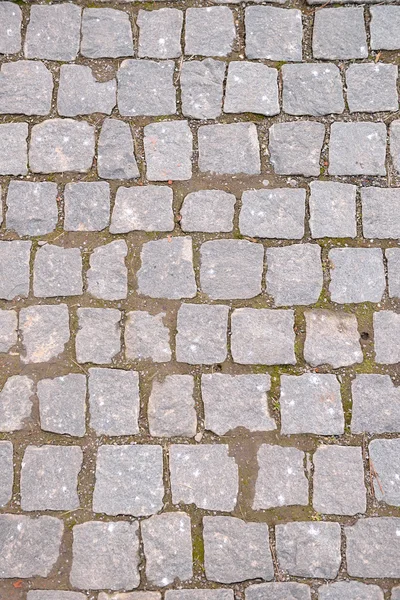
160, 33
229, 149
15, 403
147, 208
168, 151
202, 334
14, 269
373, 548
93, 96
295, 147
351, 590
107, 277
171, 409
26, 87
53, 32
32, 207
44, 331
209, 31
278, 591
116, 156
357, 275
13, 148
332, 209
201, 88
87, 206
145, 88
376, 404
357, 148
10, 28
98, 338
312, 89
339, 33
62, 404
285, 33
372, 87
385, 27
381, 212
106, 33
251, 87
57, 271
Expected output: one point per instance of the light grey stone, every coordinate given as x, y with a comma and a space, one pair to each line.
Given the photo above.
15, 403
236, 401
251, 87
211, 211
171, 410
307, 549
6, 472
200, 594
376, 404
146, 88
129, 480
45, 331
386, 337
98, 338
384, 456
373, 548
312, 89
281, 478
273, 213
339, 487
332, 338
395, 593
202, 334
381, 212
49, 477
87, 206
167, 269
209, 31
235, 551
339, 33
54, 595
106, 33
394, 144
114, 401
168, 151
229, 149
160, 33
289, 590
62, 404
14, 269
204, 475
332, 209
357, 275
201, 88
8, 329
57, 271
295, 147
105, 555
147, 208
13, 148
60, 145
53, 32
31, 545
116, 156
372, 87
146, 337
130, 596
285, 33
393, 262
167, 562
357, 148
32, 207
263, 336
10, 28
80, 94
107, 277
385, 27
351, 590
231, 269
26, 87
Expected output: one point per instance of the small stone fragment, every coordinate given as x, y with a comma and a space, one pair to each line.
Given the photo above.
6, 472
209, 31
57, 271
146, 88
15, 403
10, 28
168, 151
229, 149
87, 206
373, 548
171, 410
201, 88
376, 404
372, 87
107, 277
62, 404
13, 148
385, 27
381, 212
289, 590
251, 87
32, 207
339, 33
357, 275
333, 209
8, 329
106, 33
385, 456
210, 211
312, 89
285, 33
146, 337
357, 148
45, 331
93, 96
295, 147
26, 86
202, 334
386, 337
53, 32
160, 33
147, 208
116, 156
98, 337
14, 269
351, 590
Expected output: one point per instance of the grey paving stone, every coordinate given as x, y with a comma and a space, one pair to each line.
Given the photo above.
146, 88
231, 268
129, 480
395, 593
10, 28
295, 147
62, 404
386, 337
53, 32
251, 87
130, 596
311, 403
236, 401
273, 213
98, 338
373, 548
87, 206
13, 148
210, 211
357, 275
168, 151
160, 33
229, 149
60, 145
114, 401
289, 590
332, 209
235, 550
372, 87
54, 595
57, 271
6, 472
285, 33
106, 33
201, 88
8, 329
147, 208
146, 337
381, 212
339, 487
167, 269
93, 96
171, 410
45, 331
394, 144
385, 27
166, 562
33, 545
15, 403
339, 33
116, 156
49, 477
263, 336
107, 277
307, 549
376, 404
204, 475
351, 590
357, 148
32, 207
294, 274
200, 594
209, 31
14, 269
105, 555
25, 87
281, 478
332, 338
393, 262
202, 334
384, 457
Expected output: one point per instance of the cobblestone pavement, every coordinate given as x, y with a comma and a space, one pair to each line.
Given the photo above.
199, 300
